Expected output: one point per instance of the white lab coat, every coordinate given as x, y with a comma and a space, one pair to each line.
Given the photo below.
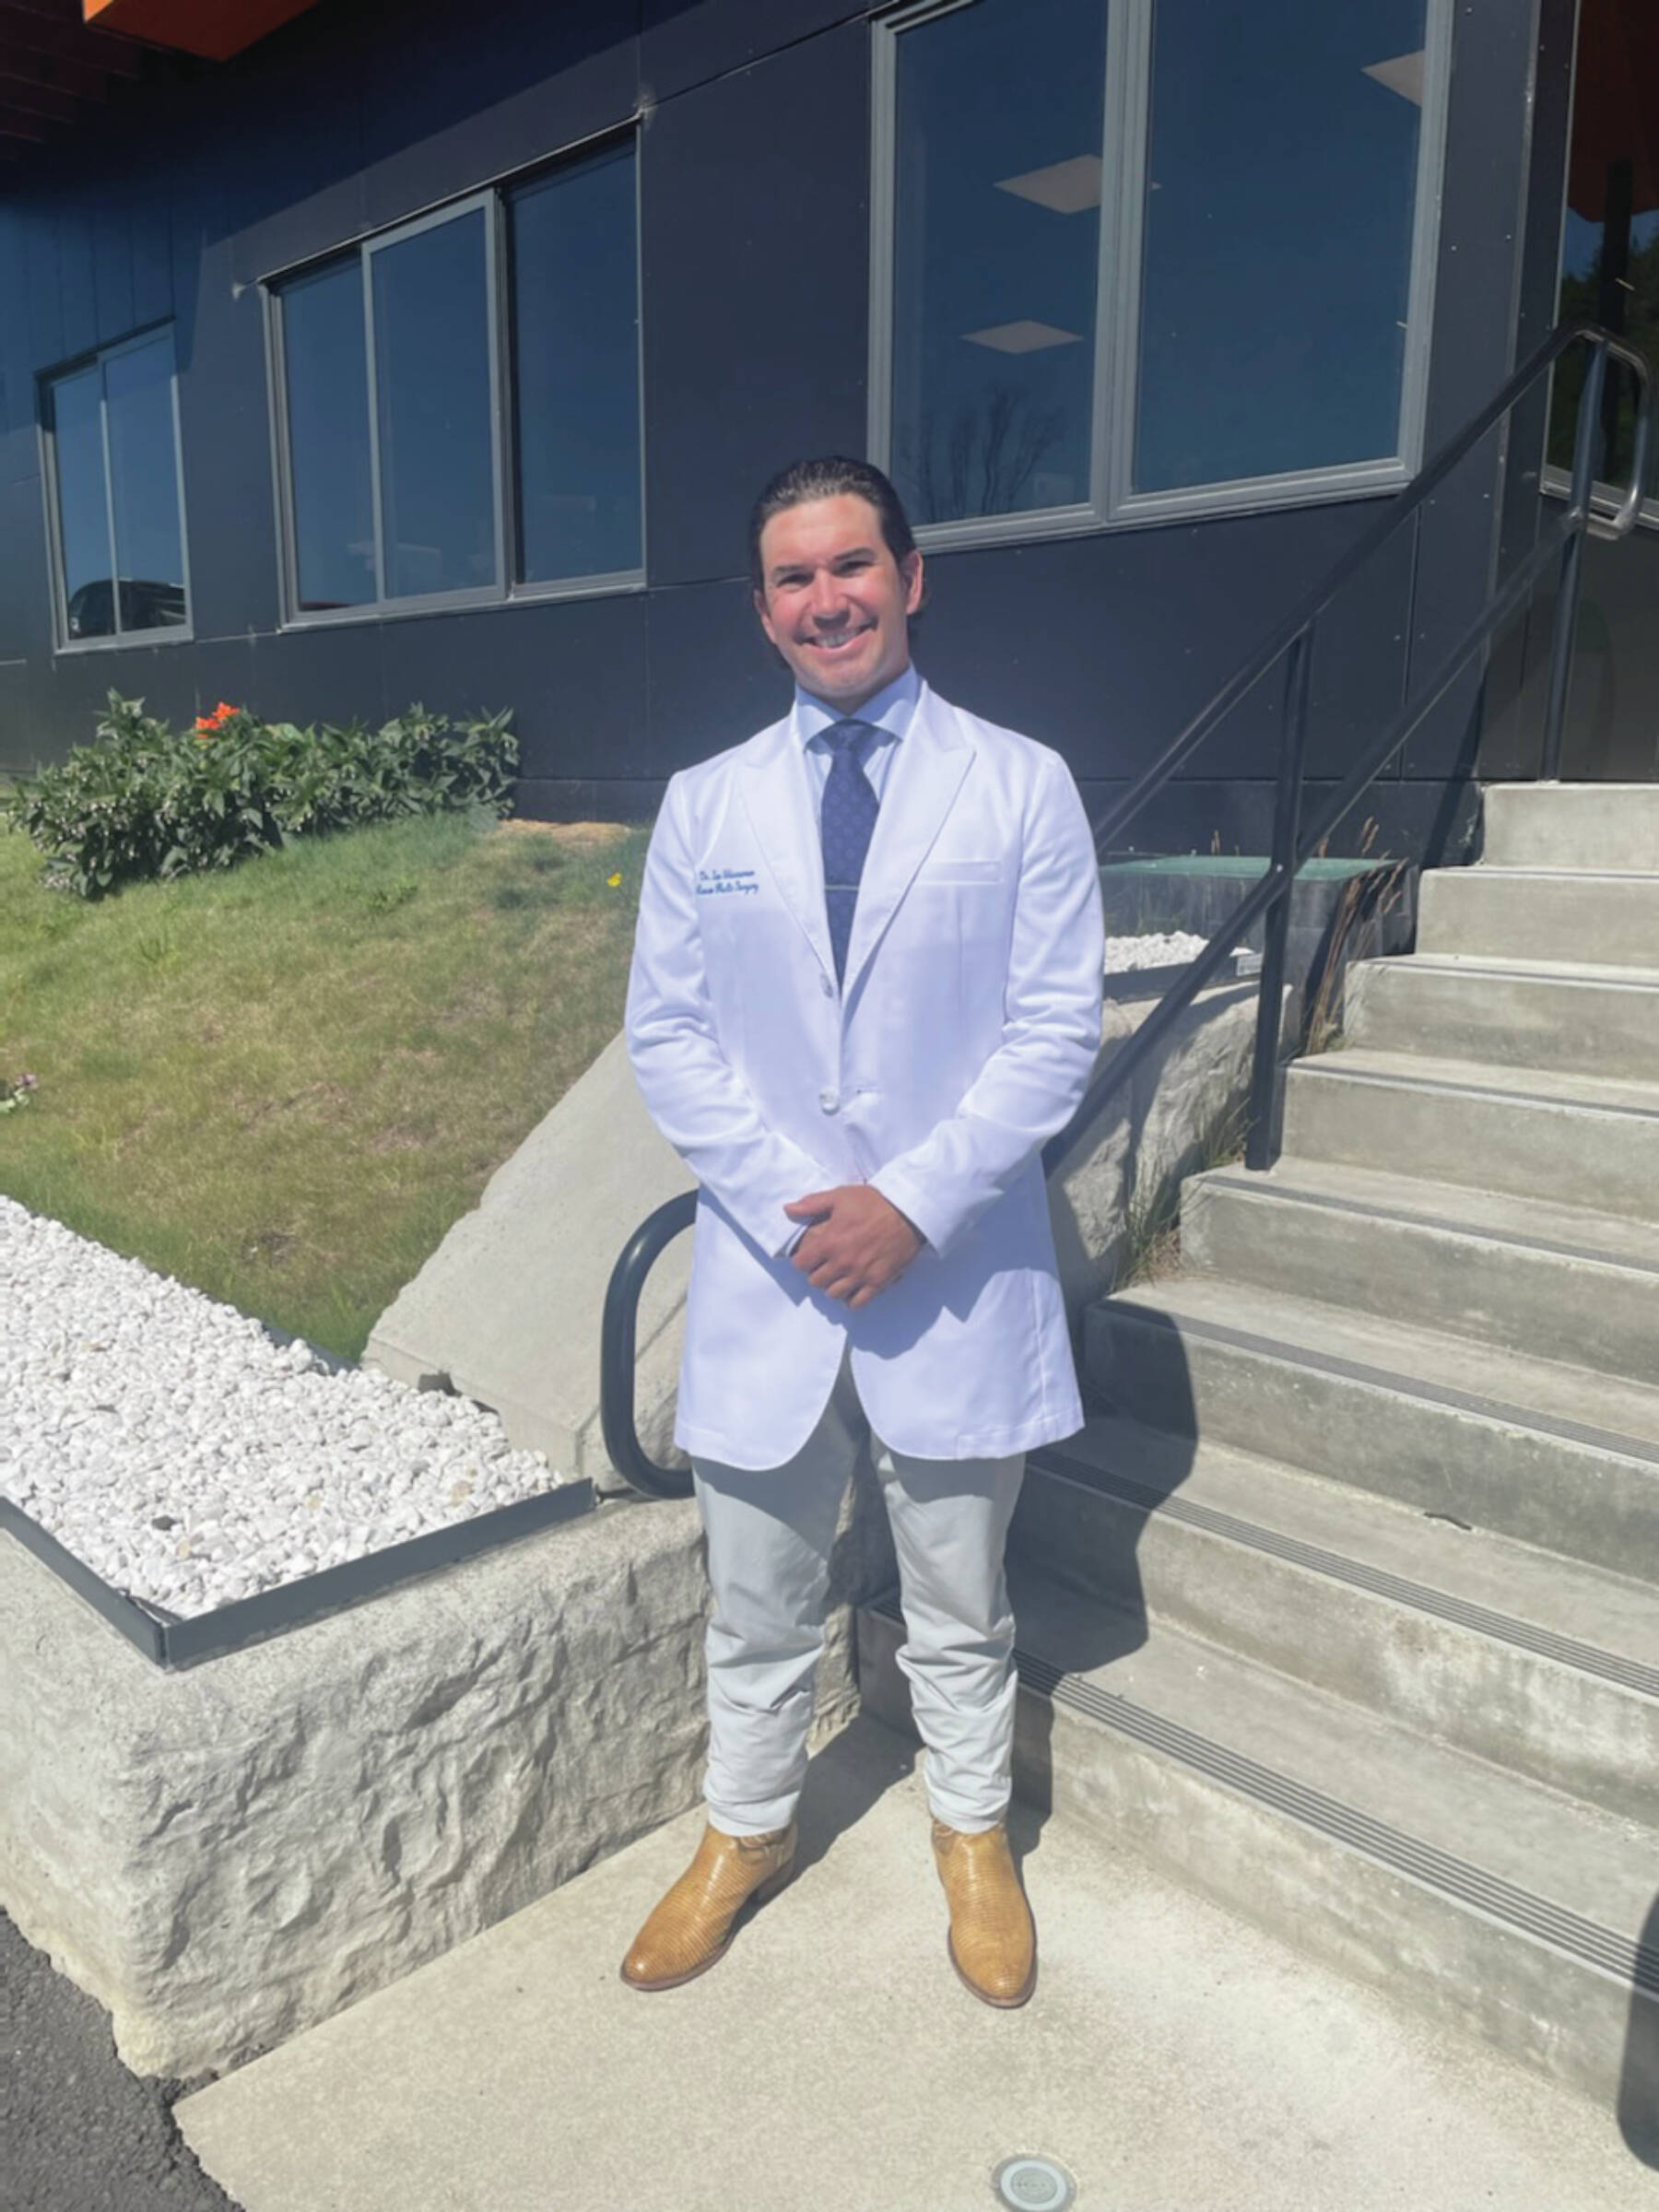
963, 1039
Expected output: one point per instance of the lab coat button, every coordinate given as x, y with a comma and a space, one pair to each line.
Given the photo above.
830, 1101
829, 988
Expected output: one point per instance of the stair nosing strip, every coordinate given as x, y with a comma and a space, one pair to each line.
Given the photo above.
1484, 964
1635, 1964
1328, 1067
1286, 1354
1333, 1202
1488, 871
1379, 1581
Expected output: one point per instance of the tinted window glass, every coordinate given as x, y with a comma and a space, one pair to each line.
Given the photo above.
997, 192
1610, 238
1280, 195
144, 484
576, 375
431, 345
83, 514
324, 353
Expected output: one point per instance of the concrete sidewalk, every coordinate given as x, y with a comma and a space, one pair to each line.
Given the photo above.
1173, 2060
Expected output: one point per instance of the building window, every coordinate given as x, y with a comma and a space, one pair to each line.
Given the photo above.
459, 403
576, 372
332, 488
116, 500
1139, 258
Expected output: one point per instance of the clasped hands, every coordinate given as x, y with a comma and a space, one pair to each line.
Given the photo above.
858, 1241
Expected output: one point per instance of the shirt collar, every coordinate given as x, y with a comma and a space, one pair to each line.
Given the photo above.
891, 709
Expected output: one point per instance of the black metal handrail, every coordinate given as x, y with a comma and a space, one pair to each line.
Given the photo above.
1294, 842
617, 1334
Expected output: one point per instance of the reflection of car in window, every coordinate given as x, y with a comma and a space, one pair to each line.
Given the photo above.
144, 605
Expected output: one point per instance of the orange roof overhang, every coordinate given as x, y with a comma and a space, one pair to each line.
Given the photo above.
213, 28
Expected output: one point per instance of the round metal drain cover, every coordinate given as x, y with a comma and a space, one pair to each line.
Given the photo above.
1033, 2185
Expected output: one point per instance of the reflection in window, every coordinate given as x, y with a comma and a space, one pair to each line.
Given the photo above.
1260, 176
119, 522
997, 195
1610, 242
433, 392
1280, 192
83, 504
576, 392
325, 356
144, 485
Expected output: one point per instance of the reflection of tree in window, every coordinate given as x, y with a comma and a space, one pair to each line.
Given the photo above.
986, 461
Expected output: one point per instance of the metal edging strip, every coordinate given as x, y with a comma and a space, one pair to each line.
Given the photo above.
172, 1640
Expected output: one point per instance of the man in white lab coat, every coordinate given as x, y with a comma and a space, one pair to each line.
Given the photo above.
866, 990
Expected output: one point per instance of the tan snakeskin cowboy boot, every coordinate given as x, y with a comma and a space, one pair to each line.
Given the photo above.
693, 1924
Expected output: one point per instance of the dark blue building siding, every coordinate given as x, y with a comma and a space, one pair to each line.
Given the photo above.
754, 161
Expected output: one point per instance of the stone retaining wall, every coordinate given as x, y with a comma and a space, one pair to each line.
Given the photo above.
226, 1855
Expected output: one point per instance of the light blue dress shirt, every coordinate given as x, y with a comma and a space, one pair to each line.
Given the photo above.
889, 711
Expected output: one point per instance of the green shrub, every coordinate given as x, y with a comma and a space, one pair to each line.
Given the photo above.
146, 801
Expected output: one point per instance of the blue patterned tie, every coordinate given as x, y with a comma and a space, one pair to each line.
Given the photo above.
849, 817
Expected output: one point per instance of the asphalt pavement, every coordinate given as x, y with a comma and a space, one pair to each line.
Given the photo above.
77, 2132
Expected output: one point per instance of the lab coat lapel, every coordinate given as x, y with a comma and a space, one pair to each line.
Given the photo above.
777, 796
922, 785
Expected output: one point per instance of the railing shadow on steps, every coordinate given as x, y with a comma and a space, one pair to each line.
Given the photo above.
1557, 544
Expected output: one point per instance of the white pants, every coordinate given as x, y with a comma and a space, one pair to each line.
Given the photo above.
770, 1535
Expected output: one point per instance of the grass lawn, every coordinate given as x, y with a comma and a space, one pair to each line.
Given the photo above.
283, 1083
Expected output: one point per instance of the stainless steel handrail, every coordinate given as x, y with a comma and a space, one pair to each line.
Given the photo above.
1623, 520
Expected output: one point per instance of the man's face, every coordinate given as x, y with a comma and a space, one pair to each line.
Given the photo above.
835, 603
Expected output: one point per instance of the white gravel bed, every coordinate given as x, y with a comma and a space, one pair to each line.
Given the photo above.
190, 1459
1173, 949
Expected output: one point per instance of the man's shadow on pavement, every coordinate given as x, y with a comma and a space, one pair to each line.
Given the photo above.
846, 1779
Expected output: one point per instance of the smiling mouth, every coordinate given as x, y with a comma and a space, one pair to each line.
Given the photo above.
838, 641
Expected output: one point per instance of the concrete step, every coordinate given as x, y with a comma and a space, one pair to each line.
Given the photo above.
1541, 914
1475, 1896
1540, 1664
1174, 2057
1549, 1281
1557, 1456
1594, 1021
1571, 825
1581, 1139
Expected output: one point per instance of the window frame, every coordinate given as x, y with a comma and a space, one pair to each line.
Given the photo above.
1112, 503
500, 304
119, 641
